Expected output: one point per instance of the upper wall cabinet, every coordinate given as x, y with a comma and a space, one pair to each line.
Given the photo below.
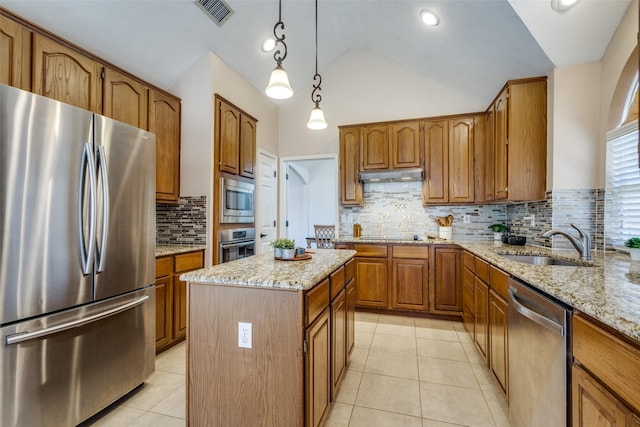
405, 145
38, 61
375, 147
164, 122
520, 140
236, 136
15, 54
65, 75
125, 99
350, 185
449, 158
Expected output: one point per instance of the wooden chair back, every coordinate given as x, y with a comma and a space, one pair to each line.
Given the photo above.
325, 234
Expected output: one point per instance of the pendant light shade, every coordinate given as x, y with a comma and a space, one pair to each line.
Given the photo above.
279, 87
316, 120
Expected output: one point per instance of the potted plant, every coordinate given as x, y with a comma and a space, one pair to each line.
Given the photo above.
634, 248
284, 248
498, 230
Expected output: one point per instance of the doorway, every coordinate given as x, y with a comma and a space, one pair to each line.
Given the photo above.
309, 191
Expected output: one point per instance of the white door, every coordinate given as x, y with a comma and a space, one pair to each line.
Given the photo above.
266, 201
297, 213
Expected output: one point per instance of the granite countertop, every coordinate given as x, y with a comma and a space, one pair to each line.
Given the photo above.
264, 271
607, 290
166, 250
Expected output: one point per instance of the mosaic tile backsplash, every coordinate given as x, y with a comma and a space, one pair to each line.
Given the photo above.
396, 210
182, 224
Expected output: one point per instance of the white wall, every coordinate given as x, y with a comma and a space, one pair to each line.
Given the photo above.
575, 130
196, 89
362, 86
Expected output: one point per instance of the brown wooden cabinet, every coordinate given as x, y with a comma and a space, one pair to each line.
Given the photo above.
405, 145
605, 375
446, 292
498, 339
435, 187
317, 370
247, 146
350, 185
171, 297
375, 147
468, 292
481, 326
338, 340
409, 277
125, 99
372, 282
351, 311
15, 54
164, 122
520, 140
449, 161
66, 75
236, 139
486, 170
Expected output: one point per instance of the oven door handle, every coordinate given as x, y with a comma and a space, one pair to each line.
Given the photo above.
237, 245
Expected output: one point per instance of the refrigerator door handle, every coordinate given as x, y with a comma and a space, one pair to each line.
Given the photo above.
26, 336
87, 165
102, 169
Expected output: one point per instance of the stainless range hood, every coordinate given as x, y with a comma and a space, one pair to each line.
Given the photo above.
392, 175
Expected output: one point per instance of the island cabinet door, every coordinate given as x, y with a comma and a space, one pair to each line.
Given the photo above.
351, 317
338, 340
317, 370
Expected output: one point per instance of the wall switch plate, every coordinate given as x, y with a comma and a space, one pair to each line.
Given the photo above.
343, 218
244, 335
466, 219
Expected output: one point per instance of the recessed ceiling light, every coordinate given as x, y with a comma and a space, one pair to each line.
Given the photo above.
431, 18
563, 5
268, 45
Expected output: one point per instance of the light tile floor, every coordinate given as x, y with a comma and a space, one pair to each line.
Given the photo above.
404, 372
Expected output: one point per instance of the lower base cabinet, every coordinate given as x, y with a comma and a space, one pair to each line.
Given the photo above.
481, 326
338, 340
446, 292
498, 339
351, 317
593, 405
171, 297
317, 370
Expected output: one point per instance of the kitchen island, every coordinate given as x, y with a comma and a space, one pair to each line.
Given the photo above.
268, 340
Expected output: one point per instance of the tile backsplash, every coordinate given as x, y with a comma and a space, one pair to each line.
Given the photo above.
182, 224
396, 210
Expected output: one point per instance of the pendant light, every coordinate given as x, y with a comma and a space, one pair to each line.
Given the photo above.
316, 120
279, 87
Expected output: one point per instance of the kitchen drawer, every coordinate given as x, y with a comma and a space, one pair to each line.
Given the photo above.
343, 246
468, 297
316, 300
337, 282
350, 270
482, 269
189, 261
467, 277
468, 261
164, 266
413, 252
371, 250
499, 282
612, 360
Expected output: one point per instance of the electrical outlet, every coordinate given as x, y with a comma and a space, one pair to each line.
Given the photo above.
349, 218
244, 335
466, 219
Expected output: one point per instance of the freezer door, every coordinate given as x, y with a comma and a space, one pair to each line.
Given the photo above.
60, 369
126, 213
44, 183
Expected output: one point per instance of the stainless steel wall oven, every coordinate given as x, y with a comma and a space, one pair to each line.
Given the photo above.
236, 243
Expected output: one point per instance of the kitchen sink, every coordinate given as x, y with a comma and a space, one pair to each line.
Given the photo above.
544, 260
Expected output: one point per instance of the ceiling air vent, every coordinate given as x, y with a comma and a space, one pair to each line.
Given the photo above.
217, 10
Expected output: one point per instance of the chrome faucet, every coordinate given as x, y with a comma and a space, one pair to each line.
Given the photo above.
582, 243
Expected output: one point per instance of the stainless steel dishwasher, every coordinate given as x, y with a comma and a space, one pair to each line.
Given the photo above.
539, 358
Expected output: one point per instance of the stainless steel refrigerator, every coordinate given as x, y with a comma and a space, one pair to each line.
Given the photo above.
77, 260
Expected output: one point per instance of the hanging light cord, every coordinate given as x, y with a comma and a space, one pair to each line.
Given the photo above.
315, 95
277, 55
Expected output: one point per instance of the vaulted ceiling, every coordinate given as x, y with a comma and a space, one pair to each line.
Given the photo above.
478, 45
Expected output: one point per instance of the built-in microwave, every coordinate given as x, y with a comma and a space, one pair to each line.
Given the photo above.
237, 201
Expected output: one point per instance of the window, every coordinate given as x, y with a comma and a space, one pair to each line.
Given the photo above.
622, 196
